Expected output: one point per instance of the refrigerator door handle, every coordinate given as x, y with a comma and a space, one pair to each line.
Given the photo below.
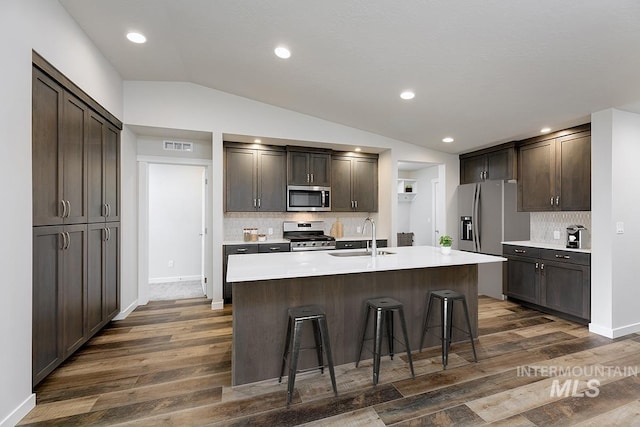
476, 212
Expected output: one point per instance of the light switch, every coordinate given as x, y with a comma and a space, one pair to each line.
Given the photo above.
270, 231
619, 227
556, 234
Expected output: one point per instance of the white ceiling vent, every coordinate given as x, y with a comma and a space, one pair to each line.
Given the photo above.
178, 146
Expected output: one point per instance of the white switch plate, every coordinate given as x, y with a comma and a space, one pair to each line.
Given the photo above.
619, 227
171, 263
556, 234
270, 231
358, 229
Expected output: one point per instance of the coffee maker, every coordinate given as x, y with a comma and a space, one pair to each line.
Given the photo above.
577, 237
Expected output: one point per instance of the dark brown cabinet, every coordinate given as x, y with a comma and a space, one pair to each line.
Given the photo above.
59, 295
76, 179
555, 173
359, 244
354, 183
555, 280
255, 179
497, 163
308, 168
103, 275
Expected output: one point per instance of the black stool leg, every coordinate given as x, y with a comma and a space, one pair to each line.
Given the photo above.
377, 344
364, 332
446, 329
389, 320
406, 339
318, 340
466, 315
425, 326
285, 353
293, 363
324, 331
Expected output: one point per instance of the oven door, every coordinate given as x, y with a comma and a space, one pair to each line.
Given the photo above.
302, 198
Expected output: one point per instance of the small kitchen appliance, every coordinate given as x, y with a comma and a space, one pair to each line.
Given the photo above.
577, 237
307, 236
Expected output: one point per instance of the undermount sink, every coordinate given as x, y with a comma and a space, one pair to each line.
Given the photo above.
359, 253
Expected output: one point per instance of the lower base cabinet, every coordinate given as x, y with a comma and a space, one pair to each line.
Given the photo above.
75, 290
555, 280
359, 244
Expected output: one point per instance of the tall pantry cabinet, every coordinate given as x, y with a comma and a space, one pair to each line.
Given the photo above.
76, 214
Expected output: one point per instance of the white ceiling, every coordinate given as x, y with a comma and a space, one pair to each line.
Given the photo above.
484, 72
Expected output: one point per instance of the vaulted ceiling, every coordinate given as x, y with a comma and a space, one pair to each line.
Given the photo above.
483, 72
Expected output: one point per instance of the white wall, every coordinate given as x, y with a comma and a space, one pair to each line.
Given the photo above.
45, 27
175, 222
615, 147
194, 107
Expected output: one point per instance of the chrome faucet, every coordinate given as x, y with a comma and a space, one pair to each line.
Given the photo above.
374, 248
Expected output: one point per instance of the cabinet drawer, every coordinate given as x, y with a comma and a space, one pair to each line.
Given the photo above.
273, 247
240, 249
566, 256
351, 244
527, 251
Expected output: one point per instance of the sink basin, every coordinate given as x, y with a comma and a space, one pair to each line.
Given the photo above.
359, 253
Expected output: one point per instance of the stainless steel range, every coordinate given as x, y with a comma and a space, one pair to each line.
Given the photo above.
307, 236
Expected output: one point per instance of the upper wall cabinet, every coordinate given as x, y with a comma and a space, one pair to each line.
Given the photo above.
496, 163
554, 174
354, 183
308, 168
255, 179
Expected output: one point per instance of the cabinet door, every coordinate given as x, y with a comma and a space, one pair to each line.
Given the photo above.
536, 176
573, 170
365, 185
349, 244
47, 185
472, 169
111, 170
566, 288
298, 168
74, 291
272, 181
96, 208
341, 184
523, 279
73, 155
240, 180
96, 235
47, 309
112, 271
500, 164
273, 247
320, 169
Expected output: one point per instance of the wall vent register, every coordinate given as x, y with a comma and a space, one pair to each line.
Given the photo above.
178, 146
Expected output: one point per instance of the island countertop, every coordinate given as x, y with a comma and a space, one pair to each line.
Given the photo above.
267, 266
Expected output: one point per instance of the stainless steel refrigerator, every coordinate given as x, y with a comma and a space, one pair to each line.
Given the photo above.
488, 215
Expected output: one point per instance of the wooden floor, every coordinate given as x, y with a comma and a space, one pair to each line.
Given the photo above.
168, 363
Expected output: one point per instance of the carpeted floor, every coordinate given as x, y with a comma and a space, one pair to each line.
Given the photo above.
175, 290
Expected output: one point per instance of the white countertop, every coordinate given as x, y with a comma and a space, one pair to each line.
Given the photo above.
546, 246
268, 266
242, 242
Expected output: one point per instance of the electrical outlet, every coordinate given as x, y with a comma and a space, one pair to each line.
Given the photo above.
170, 263
358, 229
556, 234
270, 231
619, 227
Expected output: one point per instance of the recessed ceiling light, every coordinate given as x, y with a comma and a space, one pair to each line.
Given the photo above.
257, 140
136, 37
407, 94
358, 149
282, 52
545, 130
447, 139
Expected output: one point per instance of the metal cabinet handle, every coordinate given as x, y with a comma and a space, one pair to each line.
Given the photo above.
537, 265
274, 248
68, 208
104, 209
64, 209
255, 203
259, 203
563, 256
308, 177
542, 266
241, 250
356, 203
348, 245
551, 200
64, 241
108, 209
557, 200
311, 177
520, 251
108, 233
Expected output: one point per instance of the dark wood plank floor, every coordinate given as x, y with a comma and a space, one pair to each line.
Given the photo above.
169, 363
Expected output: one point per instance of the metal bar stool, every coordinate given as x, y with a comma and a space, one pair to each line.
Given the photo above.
384, 307
297, 317
447, 298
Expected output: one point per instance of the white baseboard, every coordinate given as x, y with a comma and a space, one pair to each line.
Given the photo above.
614, 332
127, 311
217, 305
174, 279
20, 412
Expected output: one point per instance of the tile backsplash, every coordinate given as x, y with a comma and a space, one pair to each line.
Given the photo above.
543, 224
234, 222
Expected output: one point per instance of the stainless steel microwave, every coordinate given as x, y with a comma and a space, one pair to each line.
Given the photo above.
305, 198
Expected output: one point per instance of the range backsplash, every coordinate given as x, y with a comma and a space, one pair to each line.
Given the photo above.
543, 224
234, 222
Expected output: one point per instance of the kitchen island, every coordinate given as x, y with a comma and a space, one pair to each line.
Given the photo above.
266, 285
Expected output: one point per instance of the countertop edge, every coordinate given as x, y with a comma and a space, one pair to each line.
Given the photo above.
542, 245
